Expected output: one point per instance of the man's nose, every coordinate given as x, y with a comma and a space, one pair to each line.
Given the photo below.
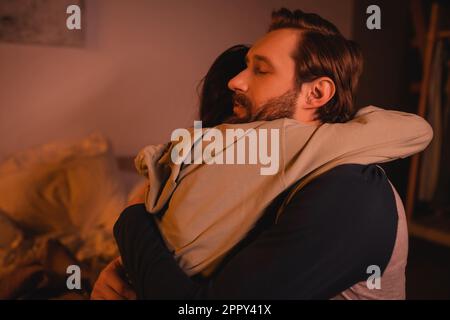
238, 83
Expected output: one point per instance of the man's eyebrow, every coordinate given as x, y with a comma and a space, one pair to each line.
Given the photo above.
258, 57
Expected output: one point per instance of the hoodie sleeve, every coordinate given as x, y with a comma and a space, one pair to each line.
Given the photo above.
375, 135
153, 162
405, 133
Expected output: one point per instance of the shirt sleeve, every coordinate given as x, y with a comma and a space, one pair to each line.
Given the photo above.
328, 235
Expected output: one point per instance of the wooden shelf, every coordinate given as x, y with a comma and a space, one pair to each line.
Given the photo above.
430, 36
433, 229
443, 34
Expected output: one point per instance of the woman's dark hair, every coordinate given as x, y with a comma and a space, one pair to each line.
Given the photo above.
215, 98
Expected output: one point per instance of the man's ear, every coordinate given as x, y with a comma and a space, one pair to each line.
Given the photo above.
320, 91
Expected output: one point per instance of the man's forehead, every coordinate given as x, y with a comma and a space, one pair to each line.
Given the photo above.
275, 45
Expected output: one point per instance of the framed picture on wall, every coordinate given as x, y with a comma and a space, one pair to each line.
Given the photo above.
40, 22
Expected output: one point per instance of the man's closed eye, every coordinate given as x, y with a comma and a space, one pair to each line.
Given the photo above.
258, 71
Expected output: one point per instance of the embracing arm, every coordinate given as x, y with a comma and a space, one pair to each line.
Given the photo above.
328, 235
375, 135
396, 134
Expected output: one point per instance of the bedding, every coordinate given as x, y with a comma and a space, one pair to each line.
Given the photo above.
69, 195
62, 186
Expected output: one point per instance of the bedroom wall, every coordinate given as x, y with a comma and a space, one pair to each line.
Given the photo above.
136, 77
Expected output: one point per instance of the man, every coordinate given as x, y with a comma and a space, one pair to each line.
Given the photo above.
343, 223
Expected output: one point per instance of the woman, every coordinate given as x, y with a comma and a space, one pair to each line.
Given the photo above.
215, 98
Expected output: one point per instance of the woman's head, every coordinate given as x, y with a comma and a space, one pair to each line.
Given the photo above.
215, 97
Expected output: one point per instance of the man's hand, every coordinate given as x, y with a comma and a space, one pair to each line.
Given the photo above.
111, 284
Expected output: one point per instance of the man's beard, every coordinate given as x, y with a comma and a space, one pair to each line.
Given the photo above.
279, 107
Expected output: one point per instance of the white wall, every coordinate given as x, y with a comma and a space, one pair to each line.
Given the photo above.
135, 79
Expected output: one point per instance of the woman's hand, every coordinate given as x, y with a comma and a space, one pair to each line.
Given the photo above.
111, 283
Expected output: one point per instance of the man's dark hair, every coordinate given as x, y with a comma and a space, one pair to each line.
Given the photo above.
323, 51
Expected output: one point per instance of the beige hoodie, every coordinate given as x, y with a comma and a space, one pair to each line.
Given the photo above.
209, 208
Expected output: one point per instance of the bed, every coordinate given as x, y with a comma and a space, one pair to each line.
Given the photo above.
58, 204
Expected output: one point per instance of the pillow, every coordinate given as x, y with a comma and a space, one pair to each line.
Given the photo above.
62, 187
10, 235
